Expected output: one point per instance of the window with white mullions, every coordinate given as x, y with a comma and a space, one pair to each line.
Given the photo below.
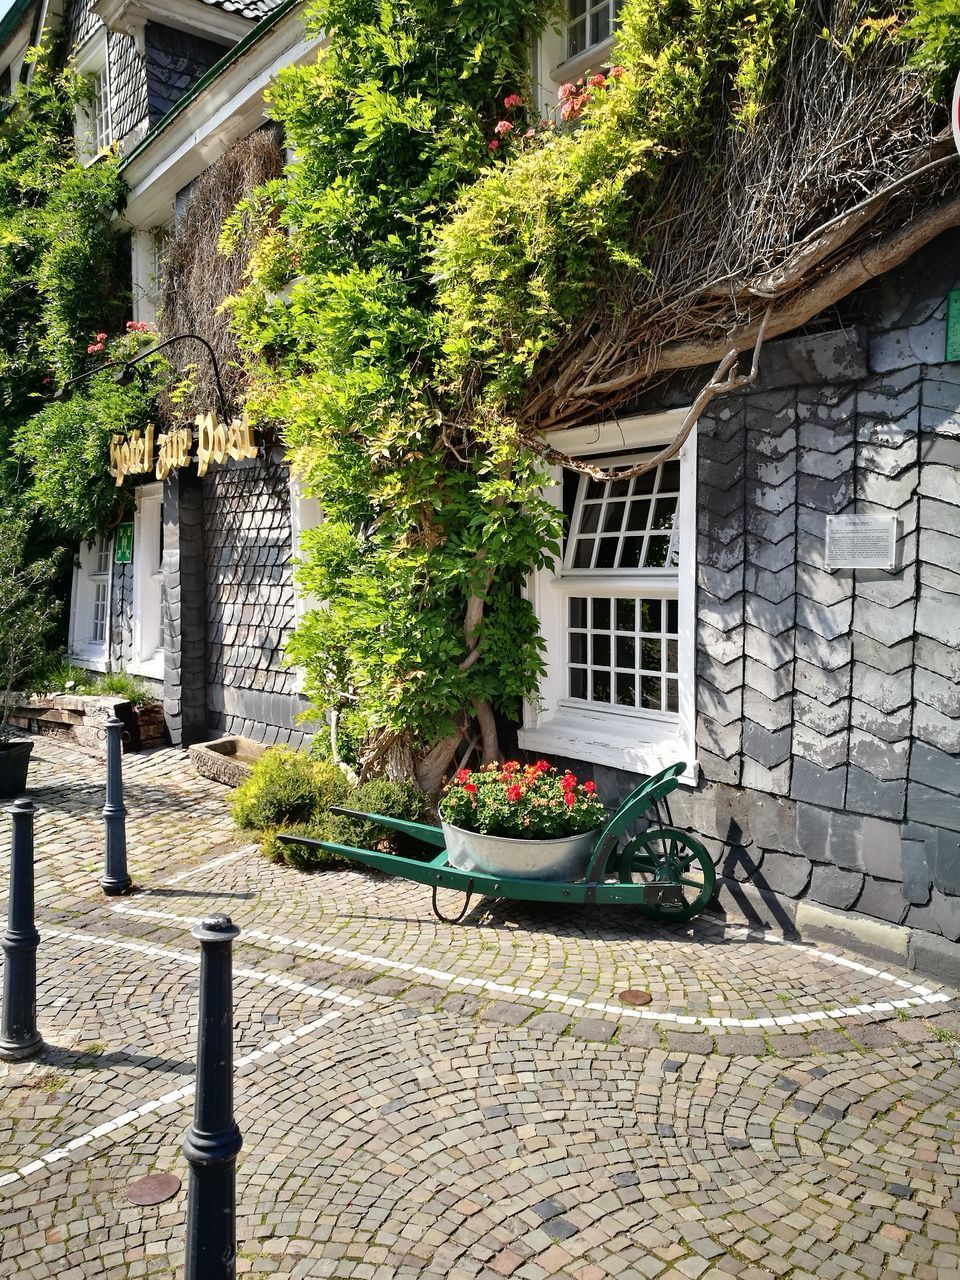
589, 24
90, 603
623, 652
626, 524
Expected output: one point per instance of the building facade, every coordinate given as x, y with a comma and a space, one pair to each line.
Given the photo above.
696, 614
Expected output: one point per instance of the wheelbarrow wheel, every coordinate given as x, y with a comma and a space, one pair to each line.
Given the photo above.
668, 856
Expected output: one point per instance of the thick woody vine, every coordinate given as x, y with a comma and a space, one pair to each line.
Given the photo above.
443, 277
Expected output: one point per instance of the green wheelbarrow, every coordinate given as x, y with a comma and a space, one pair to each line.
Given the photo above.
664, 872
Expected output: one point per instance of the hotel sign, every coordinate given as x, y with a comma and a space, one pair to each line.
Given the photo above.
216, 441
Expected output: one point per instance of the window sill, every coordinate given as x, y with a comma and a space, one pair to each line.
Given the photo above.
89, 661
152, 670
591, 60
621, 742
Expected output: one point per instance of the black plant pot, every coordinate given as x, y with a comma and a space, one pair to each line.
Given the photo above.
14, 763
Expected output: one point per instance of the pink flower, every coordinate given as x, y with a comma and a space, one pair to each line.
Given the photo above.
503, 127
616, 72
567, 91
493, 145
101, 337
531, 133
94, 347
597, 81
512, 100
463, 775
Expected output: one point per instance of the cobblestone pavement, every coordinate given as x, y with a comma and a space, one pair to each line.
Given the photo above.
419, 1099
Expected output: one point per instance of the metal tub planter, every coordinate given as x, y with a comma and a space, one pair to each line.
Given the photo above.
664, 872
563, 859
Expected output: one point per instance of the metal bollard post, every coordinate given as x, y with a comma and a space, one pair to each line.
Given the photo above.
19, 1037
115, 879
213, 1139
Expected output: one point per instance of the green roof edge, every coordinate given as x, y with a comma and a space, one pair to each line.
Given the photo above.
208, 77
12, 19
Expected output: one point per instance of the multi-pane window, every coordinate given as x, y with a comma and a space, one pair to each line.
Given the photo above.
101, 585
589, 23
100, 112
90, 609
621, 582
623, 651
94, 127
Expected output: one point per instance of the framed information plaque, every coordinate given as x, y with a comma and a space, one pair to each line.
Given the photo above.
861, 542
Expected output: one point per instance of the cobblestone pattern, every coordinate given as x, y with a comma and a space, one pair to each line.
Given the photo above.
250, 609
828, 724
408, 1112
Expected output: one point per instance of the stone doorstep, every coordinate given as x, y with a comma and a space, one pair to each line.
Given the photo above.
805, 921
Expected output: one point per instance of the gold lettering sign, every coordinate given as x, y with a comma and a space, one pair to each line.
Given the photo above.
173, 451
131, 455
216, 443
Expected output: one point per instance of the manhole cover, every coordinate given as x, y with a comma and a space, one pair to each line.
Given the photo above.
636, 997
154, 1189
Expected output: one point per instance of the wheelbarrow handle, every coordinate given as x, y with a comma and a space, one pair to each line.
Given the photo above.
420, 830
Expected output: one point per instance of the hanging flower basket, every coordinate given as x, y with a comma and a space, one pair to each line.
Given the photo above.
532, 822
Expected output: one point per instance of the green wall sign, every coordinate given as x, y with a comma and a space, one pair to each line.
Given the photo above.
123, 547
953, 325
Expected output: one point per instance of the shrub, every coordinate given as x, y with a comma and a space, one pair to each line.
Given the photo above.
300, 856
287, 787
381, 795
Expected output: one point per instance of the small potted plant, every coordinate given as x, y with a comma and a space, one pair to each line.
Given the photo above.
28, 613
530, 821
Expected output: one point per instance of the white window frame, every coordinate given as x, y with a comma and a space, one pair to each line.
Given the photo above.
148, 638
90, 578
305, 514
552, 67
636, 741
148, 248
93, 127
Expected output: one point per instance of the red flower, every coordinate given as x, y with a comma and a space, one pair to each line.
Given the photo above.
589, 788
514, 793
470, 786
616, 73
101, 337
94, 347
512, 100
493, 145
511, 766
569, 799
503, 127
598, 81
568, 782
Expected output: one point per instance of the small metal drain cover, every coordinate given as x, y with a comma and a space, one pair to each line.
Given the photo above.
636, 997
153, 1189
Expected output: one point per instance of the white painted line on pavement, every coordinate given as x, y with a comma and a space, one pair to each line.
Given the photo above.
923, 994
175, 1095
193, 959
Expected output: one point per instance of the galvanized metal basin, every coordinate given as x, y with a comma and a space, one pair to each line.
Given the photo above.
563, 859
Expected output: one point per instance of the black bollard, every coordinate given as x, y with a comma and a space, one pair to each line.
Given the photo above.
115, 879
19, 1037
213, 1139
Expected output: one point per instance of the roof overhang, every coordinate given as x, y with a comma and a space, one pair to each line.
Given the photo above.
225, 105
131, 17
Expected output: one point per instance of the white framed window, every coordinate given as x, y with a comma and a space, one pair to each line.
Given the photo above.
148, 583
618, 613
579, 42
149, 256
94, 129
305, 514
89, 636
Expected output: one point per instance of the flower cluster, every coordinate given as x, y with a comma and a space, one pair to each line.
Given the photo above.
534, 800
574, 97
138, 326
506, 130
97, 345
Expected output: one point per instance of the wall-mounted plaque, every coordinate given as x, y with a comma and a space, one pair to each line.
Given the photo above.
861, 542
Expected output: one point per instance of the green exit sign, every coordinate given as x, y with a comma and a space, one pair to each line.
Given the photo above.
123, 547
953, 325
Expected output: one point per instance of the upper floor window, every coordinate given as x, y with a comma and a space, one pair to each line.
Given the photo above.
589, 24
94, 129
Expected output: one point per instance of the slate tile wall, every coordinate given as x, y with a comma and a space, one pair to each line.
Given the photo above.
128, 82
828, 703
249, 601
